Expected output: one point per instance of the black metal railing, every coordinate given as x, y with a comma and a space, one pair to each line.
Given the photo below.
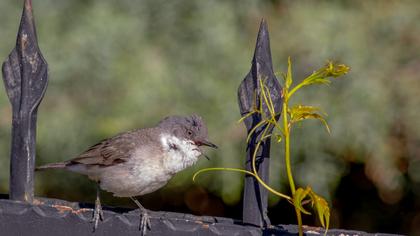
25, 77
255, 195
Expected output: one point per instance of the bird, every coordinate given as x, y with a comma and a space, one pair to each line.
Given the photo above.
141, 161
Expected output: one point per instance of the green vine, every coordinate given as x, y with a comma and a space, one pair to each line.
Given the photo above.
290, 116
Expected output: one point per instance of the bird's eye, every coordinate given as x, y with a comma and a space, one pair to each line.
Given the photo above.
189, 132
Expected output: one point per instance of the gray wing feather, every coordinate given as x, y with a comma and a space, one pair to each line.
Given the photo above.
110, 151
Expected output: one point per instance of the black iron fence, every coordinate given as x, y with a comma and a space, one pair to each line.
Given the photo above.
25, 79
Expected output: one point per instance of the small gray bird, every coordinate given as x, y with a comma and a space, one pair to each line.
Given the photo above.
141, 161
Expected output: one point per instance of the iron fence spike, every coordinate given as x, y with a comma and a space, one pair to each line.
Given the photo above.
25, 78
249, 92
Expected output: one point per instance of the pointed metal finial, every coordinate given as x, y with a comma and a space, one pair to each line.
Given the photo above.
255, 196
25, 79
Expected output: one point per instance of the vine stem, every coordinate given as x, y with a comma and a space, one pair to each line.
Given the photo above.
255, 172
287, 148
287, 158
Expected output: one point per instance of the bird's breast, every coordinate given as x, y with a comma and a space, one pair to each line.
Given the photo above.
134, 179
149, 168
178, 153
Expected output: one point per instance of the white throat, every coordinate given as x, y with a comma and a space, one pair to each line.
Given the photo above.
179, 153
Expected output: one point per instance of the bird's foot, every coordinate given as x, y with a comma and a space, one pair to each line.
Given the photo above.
144, 222
98, 214
144, 217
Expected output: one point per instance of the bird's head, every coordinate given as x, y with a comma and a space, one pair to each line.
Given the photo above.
190, 128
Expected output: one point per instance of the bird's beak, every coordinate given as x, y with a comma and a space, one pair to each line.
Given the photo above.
206, 143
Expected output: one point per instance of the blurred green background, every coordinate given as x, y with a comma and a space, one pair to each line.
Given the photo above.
119, 65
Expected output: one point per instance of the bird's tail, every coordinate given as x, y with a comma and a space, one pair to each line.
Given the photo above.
57, 165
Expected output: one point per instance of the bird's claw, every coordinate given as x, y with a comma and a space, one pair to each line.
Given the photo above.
144, 222
98, 214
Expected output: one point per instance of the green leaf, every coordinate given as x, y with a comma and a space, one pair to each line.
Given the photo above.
315, 78
297, 110
300, 112
322, 76
319, 204
289, 79
322, 209
332, 70
329, 70
299, 196
279, 137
